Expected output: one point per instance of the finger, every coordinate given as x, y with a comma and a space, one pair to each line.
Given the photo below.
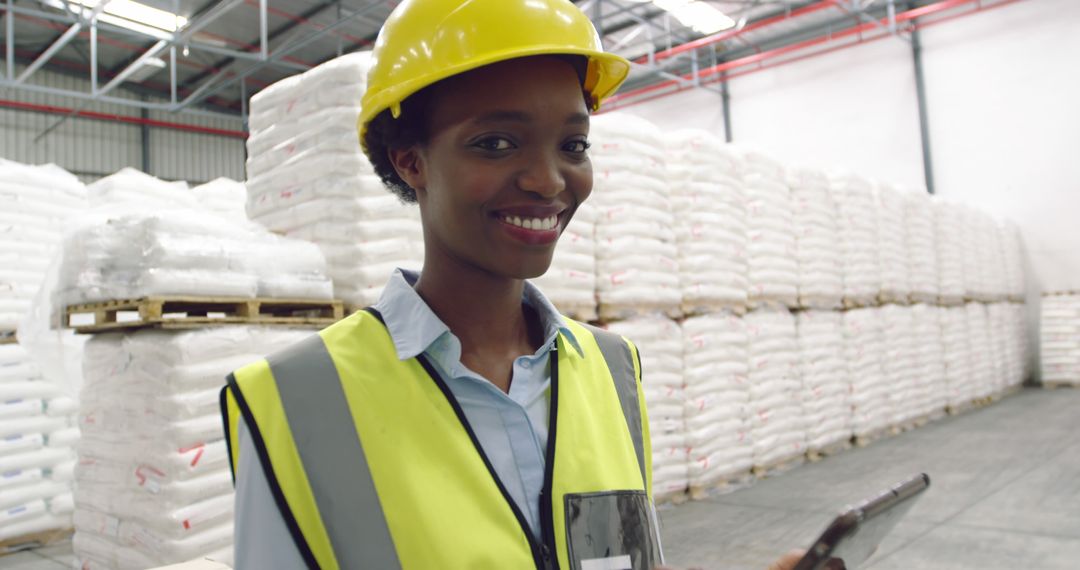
788, 561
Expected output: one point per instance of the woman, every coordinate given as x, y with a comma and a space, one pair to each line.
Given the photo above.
461, 422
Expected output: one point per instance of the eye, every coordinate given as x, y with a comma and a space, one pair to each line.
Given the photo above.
577, 147
494, 144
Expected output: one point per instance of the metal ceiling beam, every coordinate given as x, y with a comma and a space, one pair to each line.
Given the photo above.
280, 53
231, 61
60, 42
133, 66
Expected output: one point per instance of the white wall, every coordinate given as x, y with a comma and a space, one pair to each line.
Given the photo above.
854, 109
1003, 93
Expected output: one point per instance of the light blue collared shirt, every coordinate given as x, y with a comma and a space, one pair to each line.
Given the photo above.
512, 428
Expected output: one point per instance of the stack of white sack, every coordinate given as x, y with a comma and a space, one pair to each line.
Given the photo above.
922, 247
153, 484
864, 348
225, 197
1012, 256
991, 272
36, 457
817, 240
826, 384
135, 190
770, 222
929, 370
717, 401
969, 243
951, 251
130, 256
1059, 339
1020, 367
637, 269
959, 369
997, 316
708, 200
659, 344
778, 425
309, 179
981, 349
38, 200
893, 257
570, 281
899, 363
855, 204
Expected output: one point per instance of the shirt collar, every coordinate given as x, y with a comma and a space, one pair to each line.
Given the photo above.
414, 327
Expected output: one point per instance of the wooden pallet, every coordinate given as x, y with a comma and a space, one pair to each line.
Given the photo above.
198, 312
866, 439
815, 455
1054, 385
34, 540
961, 408
8, 337
777, 467
722, 486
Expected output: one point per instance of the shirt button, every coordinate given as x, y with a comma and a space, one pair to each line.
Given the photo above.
526, 364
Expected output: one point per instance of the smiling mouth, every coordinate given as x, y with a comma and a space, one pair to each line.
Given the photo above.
535, 224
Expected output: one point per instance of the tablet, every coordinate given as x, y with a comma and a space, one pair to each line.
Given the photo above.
856, 533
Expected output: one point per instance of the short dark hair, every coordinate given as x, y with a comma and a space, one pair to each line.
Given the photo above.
384, 133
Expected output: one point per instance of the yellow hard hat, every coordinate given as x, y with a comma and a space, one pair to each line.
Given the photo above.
426, 41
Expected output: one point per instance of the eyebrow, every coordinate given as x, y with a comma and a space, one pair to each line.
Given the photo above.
521, 117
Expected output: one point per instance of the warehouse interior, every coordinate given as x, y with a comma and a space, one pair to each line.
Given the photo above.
841, 233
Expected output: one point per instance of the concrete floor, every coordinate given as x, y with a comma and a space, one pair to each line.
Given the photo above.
1005, 494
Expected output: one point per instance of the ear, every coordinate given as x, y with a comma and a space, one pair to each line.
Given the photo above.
409, 166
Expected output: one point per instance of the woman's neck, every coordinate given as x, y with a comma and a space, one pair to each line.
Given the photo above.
482, 309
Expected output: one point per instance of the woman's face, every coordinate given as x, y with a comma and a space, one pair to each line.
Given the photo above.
505, 165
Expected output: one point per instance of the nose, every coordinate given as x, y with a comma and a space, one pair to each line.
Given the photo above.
543, 176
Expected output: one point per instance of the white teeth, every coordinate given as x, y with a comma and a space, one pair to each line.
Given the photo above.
537, 224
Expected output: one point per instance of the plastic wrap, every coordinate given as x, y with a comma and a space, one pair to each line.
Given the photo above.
709, 204
659, 343
817, 240
777, 420
636, 254
153, 480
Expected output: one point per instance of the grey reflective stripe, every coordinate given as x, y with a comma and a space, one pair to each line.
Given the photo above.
620, 362
333, 457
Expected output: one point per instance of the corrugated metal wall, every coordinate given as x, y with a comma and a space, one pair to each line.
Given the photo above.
92, 148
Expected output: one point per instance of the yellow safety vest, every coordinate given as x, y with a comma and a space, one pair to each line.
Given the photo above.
373, 464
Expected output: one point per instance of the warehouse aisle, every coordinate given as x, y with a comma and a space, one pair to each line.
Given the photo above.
1005, 494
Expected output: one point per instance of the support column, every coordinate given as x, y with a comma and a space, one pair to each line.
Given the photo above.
924, 121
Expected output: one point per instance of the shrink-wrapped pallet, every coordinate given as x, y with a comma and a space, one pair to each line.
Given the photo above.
899, 363
637, 269
982, 350
920, 235
309, 179
777, 422
659, 343
857, 218
709, 204
37, 431
826, 383
951, 251
959, 370
773, 272
718, 433
225, 197
864, 348
1059, 339
817, 240
153, 485
929, 371
893, 257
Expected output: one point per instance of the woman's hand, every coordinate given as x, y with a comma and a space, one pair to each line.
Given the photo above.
788, 561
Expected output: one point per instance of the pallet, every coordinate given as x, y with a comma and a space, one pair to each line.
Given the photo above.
868, 438
34, 540
198, 312
1054, 385
850, 303
722, 486
8, 337
961, 408
777, 467
816, 455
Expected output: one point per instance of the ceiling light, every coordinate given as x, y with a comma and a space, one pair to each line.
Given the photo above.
134, 16
702, 17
